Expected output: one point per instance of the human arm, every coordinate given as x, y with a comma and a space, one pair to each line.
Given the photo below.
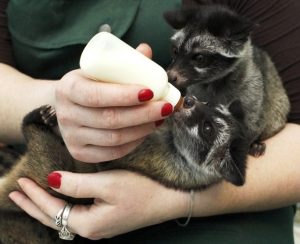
20, 94
13, 89
272, 180
135, 201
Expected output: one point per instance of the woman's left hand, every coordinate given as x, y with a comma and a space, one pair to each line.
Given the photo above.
124, 201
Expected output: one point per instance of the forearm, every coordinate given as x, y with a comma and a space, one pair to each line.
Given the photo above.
272, 180
19, 94
136, 201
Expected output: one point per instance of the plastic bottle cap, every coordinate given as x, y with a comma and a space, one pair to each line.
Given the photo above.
173, 95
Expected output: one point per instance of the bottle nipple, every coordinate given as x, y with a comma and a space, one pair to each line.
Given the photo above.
179, 104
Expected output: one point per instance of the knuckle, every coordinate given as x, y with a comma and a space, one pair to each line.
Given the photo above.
94, 95
43, 208
116, 138
77, 189
76, 152
67, 84
150, 111
90, 233
115, 153
111, 118
119, 152
71, 142
79, 155
62, 117
74, 85
124, 97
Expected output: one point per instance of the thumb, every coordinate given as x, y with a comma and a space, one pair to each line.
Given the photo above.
145, 49
77, 185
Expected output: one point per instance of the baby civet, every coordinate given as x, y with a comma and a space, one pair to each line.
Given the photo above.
215, 60
199, 146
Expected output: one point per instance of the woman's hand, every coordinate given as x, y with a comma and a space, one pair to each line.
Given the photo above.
124, 201
102, 121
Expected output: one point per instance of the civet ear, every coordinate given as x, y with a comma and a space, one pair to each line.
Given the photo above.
176, 19
227, 24
234, 170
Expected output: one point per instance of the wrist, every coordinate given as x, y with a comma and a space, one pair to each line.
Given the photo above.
48, 95
177, 204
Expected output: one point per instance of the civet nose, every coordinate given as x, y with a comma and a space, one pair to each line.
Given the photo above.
189, 102
172, 76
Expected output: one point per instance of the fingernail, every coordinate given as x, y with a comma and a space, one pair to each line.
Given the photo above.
145, 95
159, 122
167, 109
54, 180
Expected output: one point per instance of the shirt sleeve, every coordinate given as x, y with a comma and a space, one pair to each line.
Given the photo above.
6, 52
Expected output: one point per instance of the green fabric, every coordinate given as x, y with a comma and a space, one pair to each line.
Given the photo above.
269, 227
150, 27
48, 37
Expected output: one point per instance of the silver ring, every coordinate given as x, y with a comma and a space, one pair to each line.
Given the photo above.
58, 217
65, 214
64, 233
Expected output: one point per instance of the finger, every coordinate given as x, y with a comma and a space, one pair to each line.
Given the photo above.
43, 200
116, 117
77, 185
79, 213
145, 49
96, 154
98, 137
83, 185
91, 93
30, 208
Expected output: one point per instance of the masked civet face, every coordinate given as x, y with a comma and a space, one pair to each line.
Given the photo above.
208, 43
210, 139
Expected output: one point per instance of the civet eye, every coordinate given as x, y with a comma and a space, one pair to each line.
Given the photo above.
199, 57
207, 128
188, 102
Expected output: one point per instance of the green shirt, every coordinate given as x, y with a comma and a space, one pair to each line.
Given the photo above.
49, 35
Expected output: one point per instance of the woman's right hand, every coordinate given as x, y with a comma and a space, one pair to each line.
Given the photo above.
103, 121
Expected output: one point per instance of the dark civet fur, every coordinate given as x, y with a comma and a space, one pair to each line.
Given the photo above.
215, 60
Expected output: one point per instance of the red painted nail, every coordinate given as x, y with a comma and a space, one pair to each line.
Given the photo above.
167, 109
54, 180
145, 95
159, 122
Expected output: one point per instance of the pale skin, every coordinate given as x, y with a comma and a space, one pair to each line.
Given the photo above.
134, 200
